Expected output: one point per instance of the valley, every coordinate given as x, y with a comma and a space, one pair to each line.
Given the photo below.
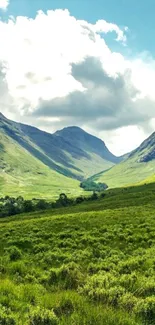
77, 229
38, 164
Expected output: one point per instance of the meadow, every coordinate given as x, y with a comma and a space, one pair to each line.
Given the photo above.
89, 264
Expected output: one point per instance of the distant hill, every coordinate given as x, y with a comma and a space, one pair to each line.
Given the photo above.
137, 168
87, 143
66, 156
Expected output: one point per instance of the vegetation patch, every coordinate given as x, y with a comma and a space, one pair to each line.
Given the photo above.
85, 264
89, 185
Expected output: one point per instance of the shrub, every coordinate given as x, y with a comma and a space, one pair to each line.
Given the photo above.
53, 276
18, 267
30, 278
14, 253
148, 287
114, 295
129, 281
145, 308
40, 316
128, 301
5, 317
130, 265
41, 205
70, 275
103, 287
65, 308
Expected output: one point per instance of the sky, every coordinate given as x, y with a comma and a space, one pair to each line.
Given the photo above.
83, 62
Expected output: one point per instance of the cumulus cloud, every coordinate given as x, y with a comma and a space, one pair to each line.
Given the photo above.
59, 71
104, 27
106, 103
39, 54
4, 4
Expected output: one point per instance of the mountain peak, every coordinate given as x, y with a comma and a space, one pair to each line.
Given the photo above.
73, 127
87, 142
70, 129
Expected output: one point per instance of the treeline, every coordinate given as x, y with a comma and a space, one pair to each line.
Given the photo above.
11, 206
89, 185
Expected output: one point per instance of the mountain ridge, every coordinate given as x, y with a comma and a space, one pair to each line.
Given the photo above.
65, 151
137, 168
75, 156
68, 132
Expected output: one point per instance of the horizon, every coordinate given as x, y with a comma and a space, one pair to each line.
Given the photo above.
64, 65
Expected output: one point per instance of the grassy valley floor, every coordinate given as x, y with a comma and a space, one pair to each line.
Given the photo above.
91, 264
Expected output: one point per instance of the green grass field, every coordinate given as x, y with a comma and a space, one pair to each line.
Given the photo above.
91, 264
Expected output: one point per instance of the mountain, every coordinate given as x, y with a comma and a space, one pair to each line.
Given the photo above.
29, 157
70, 151
146, 151
87, 152
23, 174
87, 143
137, 168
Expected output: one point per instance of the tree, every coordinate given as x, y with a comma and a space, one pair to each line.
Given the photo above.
63, 200
41, 205
28, 206
79, 199
89, 185
94, 196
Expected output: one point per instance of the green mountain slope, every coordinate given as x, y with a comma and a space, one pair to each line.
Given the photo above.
34, 163
93, 155
23, 174
71, 151
86, 142
138, 168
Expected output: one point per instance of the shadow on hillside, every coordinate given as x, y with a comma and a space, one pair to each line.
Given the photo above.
41, 156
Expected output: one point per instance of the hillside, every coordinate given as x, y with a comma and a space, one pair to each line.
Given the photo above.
139, 167
23, 174
34, 161
87, 143
70, 151
90, 264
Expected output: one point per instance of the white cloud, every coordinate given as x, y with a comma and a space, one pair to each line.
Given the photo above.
4, 4
127, 138
39, 54
103, 27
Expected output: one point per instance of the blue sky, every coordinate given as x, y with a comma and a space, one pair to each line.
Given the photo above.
80, 67
137, 15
